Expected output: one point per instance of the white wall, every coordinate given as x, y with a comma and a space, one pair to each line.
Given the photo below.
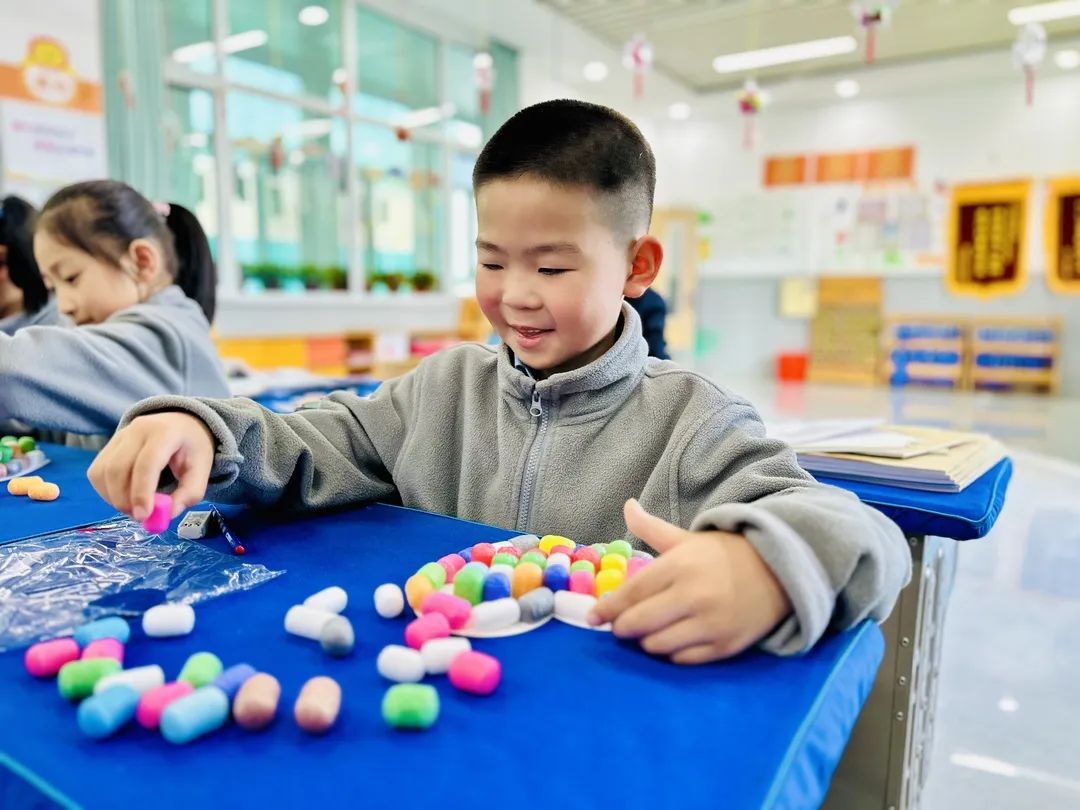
968, 121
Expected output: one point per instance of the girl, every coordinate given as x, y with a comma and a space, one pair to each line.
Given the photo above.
139, 286
24, 299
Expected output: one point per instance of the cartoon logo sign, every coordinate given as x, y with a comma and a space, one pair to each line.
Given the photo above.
47, 72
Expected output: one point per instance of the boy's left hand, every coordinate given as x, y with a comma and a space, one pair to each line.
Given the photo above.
709, 595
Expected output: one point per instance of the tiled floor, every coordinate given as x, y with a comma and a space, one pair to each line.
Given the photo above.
1009, 695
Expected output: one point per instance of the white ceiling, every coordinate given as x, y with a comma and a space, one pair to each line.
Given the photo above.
687, 34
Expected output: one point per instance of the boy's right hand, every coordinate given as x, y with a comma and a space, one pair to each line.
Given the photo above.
127, 470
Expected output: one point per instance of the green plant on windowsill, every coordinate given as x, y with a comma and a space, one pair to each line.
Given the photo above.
376, 279
336, 277
312, 276
394, 280
424, 281
292, 279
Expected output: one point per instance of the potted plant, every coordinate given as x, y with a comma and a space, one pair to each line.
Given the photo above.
312, 277
337, 277
394, 280
424, 281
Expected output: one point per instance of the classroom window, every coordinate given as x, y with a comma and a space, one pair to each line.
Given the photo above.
301, 216
189, 149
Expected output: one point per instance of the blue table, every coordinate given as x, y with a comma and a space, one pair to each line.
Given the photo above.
580, 720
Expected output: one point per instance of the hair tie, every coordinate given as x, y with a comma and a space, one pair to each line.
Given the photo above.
162, 208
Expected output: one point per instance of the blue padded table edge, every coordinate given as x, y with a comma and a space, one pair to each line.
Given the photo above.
965, 515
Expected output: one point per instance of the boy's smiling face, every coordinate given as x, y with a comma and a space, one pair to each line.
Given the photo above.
552, 273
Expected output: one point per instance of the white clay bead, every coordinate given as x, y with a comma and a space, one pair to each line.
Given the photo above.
307, 622
573, 606
162, 621
141, 679
401, 664
440, 652
389, 601
332, 599
495, 615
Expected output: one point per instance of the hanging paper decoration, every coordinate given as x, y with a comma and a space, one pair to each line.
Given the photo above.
871, 16
1028, 52
484, 77
277, 154
751, 99
637, 58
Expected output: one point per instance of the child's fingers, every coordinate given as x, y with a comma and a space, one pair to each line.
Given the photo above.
115, 472
192, 479
153, 456
647, 582
680, 635
704, 653
658, 533
652, 615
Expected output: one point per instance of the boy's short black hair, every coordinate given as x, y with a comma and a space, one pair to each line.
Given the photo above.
576, 143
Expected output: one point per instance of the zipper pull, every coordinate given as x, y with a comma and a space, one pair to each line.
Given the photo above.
536, 409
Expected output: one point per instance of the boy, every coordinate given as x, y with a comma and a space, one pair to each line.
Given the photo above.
560, 426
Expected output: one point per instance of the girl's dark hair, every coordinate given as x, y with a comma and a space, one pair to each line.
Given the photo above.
103, 217
17, 235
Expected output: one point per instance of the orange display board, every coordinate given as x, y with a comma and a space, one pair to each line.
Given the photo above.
787, 170
987, 240
862, 166
1062, 223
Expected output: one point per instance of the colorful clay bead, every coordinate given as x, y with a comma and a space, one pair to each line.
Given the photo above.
496, 586
559, 558
427, 627
317, 707
537, 558
620, 547
410, 705
454, 608
482, 553
613, 561
556, 578
104, 648
469, 584
44, 659
435, 572
583, 565
549, 541
43, 491
195, 715
527, 576
306, 622
232, 680
257, 701
582, 582
338, 637
200, 669
588, 554
502, 558
112, 627
574, 606
524, 542
154, 702
141, 679
77, 679
167, 621
476, 673
160, 514
452, 563
608, 580
105, 712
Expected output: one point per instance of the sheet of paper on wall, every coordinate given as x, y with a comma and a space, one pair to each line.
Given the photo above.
798, 298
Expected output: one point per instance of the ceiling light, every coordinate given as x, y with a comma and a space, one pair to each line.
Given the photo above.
313, 15
595, 71
234, 43
679, 111
1044, 12
1067, 59
846, 88
482, 61
783, 54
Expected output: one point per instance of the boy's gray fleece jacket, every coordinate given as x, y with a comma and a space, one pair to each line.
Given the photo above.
468, 434
82, 379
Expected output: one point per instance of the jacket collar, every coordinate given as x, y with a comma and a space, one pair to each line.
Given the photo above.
586, 392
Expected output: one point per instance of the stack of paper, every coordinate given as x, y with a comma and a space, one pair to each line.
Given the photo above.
909, 457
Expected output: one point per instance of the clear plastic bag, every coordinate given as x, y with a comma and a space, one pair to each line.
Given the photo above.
52, 583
